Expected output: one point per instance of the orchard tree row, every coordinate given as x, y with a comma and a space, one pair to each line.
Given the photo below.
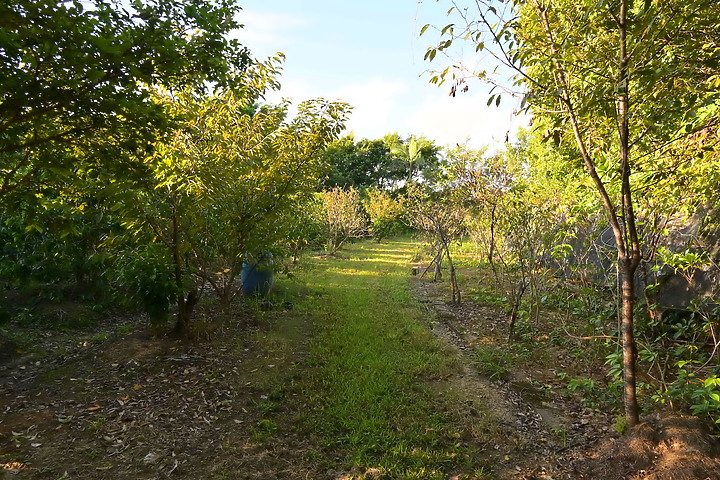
138, 161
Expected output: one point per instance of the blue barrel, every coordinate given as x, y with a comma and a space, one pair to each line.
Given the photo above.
257, 277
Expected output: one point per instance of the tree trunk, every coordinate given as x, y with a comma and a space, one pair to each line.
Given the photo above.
185, 305
515, 307
453, 279
629, 256
437, 273
627, 303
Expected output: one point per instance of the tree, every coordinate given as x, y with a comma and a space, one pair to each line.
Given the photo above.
342, 216
223, 184
364, 163
76, 79
440, 216
384, 211
622, 79
414, 159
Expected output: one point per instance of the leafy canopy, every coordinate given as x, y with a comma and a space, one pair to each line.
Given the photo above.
79, 76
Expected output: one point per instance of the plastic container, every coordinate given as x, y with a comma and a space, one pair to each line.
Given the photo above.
257, 276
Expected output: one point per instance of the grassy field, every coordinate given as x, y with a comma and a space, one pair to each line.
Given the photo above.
370, 366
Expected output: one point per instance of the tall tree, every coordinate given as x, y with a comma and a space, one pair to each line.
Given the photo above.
621, 78
414, 159
363, 163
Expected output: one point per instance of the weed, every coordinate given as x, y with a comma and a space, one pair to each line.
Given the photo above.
125, 329
92, 453
493, 361
263, 430
620, 426
25, 316
98, 425
99, 338
561, 434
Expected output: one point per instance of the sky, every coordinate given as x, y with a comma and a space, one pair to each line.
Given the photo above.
369, 54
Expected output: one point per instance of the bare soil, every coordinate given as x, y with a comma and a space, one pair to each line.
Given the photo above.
142, 406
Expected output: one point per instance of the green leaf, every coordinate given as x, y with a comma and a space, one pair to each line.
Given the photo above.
447, 28
712, 381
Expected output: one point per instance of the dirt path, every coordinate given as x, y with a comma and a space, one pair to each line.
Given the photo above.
531, 432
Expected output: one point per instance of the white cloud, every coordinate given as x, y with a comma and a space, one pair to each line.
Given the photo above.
375, 103
450, 120
375, 106
381, 106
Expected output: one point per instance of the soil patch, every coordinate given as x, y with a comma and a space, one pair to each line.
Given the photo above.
138, 406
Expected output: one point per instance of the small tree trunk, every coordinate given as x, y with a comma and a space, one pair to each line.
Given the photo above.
515, 308
627, 286
184, 305
453, 279
438, 266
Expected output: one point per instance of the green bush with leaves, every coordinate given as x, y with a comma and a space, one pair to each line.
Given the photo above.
303, 228
342, 216
385, 213
146, 274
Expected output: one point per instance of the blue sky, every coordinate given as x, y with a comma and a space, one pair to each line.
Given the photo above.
369, 54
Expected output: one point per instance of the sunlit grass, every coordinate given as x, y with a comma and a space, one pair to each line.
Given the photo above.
370, 364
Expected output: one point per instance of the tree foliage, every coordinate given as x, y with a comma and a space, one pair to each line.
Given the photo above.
384, 212
223, 184
76, 79
388, 163
439, 215
363, 163
342, 216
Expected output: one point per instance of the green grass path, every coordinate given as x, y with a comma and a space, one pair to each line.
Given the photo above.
370, 367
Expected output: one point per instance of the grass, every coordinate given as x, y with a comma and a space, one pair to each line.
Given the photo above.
369, 367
